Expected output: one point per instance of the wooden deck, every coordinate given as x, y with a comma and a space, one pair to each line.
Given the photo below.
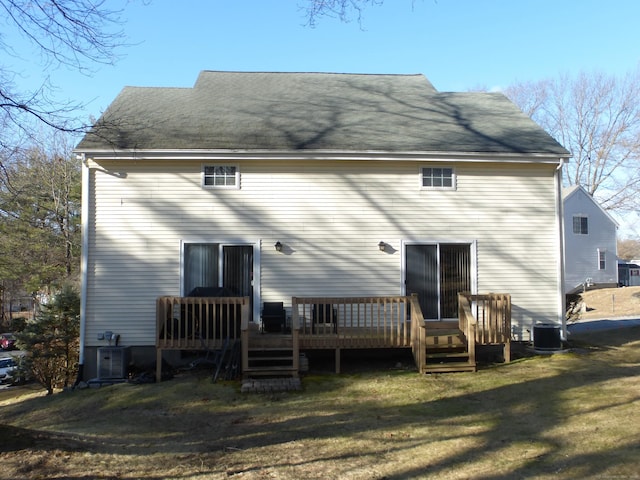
335, 323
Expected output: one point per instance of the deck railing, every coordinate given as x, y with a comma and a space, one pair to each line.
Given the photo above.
198, 323
352, 322
184, 323
418, 334
492, 315
468, 325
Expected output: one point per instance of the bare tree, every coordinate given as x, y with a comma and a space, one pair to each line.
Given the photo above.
344, 10
76, 34
629, 249
597, 117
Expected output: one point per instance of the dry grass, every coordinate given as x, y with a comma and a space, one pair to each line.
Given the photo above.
611, 302
565, 416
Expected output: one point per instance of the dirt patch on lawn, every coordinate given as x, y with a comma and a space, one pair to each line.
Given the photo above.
610, 302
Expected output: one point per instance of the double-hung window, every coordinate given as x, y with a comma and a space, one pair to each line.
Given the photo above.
220, 176
438, 178
580, 225
602, 259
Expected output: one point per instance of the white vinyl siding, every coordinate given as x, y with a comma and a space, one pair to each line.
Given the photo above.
330, 217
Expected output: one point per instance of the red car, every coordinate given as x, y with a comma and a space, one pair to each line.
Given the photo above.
7, 341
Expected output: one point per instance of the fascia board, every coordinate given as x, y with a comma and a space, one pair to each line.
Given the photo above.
321, 155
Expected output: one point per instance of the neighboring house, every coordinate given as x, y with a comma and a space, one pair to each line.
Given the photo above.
368, 185
591, 258
629, 273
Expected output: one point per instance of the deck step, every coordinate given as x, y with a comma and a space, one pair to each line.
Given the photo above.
449, 367
275, 361
270, 371
448, 355
275, 368
271, 359
443, 332
446, 351
269, 350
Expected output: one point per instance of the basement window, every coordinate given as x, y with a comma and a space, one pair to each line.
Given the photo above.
220, 176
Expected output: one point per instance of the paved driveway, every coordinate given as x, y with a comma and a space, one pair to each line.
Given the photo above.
603, 324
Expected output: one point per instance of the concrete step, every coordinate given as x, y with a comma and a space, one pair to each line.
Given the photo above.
268, 385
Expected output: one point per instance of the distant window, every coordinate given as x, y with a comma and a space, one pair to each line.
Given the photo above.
602, 259
220, 176
438, 178
580, 225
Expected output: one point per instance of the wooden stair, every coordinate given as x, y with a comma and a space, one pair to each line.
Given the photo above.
447, 351
270, 355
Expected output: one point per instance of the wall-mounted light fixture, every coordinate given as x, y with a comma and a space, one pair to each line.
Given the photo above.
278, 246
382, 246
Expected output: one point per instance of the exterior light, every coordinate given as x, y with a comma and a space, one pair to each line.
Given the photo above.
278, 246
382, 246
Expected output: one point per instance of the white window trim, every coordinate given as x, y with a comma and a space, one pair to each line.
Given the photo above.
236, 186
473, 245
602, 252
454, 178
257, 264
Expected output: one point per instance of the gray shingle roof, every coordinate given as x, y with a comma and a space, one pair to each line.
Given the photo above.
316, 111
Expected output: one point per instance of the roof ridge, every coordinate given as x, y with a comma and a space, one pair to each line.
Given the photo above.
298, 72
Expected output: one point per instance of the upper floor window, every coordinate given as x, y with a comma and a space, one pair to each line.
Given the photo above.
220, 176
440, 178
580, 225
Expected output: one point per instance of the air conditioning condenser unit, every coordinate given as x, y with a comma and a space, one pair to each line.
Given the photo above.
113, 362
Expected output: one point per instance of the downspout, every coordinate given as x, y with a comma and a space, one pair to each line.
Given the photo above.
560, 218
84, 263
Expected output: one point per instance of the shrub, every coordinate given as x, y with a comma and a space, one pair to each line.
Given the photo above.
51, 341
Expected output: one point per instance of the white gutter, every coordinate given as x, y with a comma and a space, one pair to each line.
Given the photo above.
84, 261
186, 154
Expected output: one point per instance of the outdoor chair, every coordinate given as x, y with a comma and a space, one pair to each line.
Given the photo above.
273, 317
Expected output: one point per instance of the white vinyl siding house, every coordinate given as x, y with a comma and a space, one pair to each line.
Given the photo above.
365, 162
590, 242
329, 217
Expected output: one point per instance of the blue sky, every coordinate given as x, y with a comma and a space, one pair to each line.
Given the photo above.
458, 44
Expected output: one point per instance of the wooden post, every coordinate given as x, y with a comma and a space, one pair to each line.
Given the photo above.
244, 334
507, 351
337, 359
295, 340
158, 365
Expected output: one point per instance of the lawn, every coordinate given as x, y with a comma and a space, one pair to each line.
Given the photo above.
562, 416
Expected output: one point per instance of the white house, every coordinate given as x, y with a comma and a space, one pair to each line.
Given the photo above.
369, 184
591, 252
